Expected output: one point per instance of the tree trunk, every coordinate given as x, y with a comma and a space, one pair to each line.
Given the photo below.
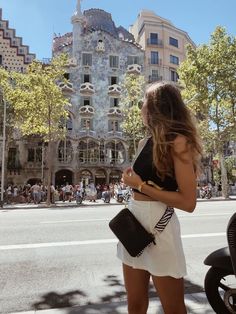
135, 148
49, 162
224, 179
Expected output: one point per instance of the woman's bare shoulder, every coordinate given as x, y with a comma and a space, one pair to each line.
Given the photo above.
180, 144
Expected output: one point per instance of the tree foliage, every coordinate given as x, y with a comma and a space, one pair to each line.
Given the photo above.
132, 95
39, 103
208, 77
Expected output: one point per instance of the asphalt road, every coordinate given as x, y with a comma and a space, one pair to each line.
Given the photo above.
51, 258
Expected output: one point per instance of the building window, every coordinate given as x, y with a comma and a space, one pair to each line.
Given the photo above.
86, 78
86, 124
113, 125
154, 57
87, 59
114, 61
93, 152
86, 101
0, 59
174, 59
154, 76
69, 124
11, 164
153, 38
67, 76
83, 152
115, 153
113, 80
114, 102
65, 151
133, 60
173, 42
31, 154
174, 76
35, 154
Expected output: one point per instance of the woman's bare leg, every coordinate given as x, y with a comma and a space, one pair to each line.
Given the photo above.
171, 293
136, 284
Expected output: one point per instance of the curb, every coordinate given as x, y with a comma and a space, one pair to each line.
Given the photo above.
64, 205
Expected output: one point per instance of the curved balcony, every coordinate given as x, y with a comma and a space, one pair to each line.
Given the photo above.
134, 69
112, 134
114, 112
114, 90
86, 89
86, 110
71, 62
87, 132
66, 88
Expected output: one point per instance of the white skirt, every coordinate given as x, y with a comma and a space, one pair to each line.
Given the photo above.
166, 258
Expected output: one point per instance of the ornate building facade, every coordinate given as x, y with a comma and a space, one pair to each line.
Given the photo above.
95, 148
100, 53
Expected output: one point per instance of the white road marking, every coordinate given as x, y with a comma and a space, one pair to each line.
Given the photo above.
90, 242
73, 220
108, 219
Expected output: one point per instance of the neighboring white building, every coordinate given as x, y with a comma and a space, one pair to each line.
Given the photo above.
164, 45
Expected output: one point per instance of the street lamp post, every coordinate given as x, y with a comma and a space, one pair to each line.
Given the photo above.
3, 150
42, 165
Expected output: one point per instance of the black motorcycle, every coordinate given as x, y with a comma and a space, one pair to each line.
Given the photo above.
123, 196
206, 193
220, 281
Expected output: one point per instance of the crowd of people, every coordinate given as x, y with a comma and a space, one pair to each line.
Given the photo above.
37, 192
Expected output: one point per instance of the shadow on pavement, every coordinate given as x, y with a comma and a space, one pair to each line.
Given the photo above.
114, 302
53, 300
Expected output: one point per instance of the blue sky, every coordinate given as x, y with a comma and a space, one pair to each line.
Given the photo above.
37, 20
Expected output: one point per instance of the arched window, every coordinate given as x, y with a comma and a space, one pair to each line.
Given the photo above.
65, 151
110, 152
93, 152
69, 123
115, 153
120, 153
66, 123
82, 152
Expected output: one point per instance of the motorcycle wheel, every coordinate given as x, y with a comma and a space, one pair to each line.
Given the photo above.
120, 199
216, 285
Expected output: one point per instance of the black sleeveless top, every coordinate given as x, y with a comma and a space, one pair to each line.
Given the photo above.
144, 167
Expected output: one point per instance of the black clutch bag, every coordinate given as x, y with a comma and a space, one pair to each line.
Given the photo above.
131, 233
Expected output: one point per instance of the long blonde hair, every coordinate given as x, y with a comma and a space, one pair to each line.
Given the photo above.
168, 117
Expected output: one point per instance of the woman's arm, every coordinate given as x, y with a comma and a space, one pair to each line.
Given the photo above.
185, 197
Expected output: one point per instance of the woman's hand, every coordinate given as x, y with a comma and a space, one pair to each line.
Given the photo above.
131, 179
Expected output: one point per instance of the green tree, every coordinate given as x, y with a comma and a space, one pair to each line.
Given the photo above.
208, 77
5, 87
132, 95
39, 104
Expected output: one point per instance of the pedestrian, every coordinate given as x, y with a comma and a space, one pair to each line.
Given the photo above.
163, 176
68, 192
35, 189
9, 194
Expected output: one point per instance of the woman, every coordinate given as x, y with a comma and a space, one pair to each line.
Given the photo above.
163, 174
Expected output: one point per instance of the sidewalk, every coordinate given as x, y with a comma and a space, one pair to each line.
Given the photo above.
99, 202
196, 304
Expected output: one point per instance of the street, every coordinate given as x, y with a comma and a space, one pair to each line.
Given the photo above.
59, 257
